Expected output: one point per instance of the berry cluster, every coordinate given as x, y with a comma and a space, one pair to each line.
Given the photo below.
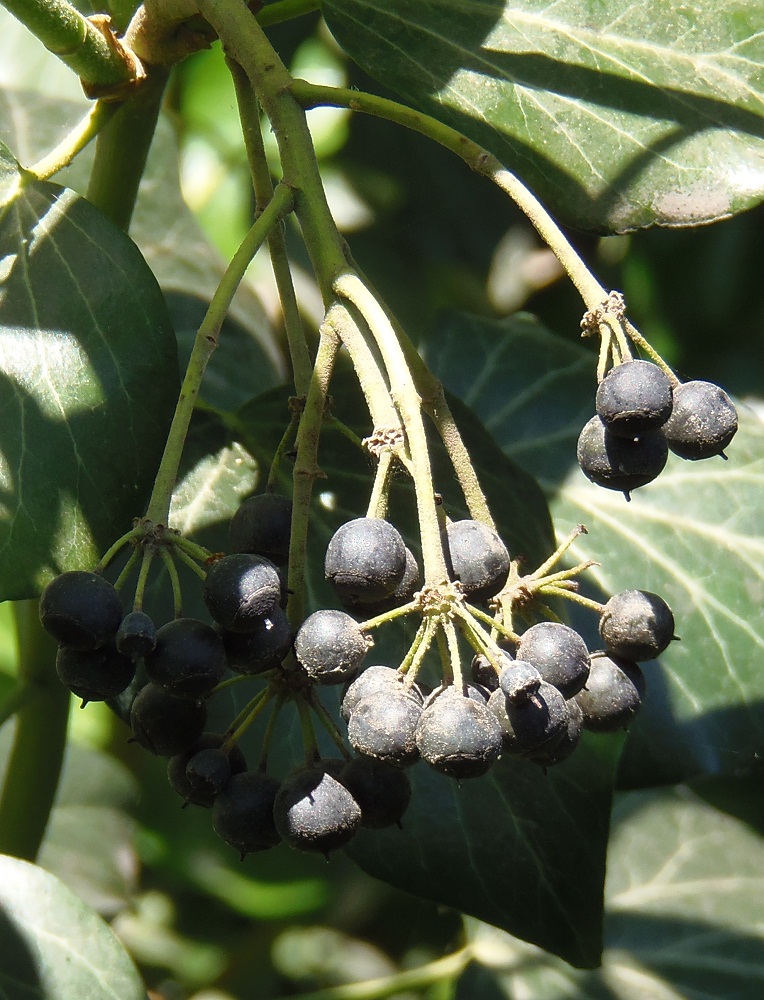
529, 694
642, 413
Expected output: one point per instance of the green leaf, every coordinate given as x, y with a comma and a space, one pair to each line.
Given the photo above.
618, 115
88, 381
684, 902
54, 945
517, 848
249, 360
695, 536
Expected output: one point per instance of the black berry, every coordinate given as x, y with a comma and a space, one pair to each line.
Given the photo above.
188, 659
80, 609
613, 694
240, 589
94, 674
383, 725
263, 648
314, 811
703, 421
242, 815
176, 768
558, 653
137, 635
622, 464
365, 560
564, 747
457, 735
633, 398
165, 725
519, 680
402, 594
208, 771
262, 526
636, 625
376, 678
537, 723
478, 558
330, 646
380, 789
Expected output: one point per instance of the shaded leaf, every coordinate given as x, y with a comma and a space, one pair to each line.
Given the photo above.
520, 849
619, 116
88, 377
684, 898
695, 536
54, 945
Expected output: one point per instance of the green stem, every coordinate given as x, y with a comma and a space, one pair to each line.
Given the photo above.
99, 115
36, 756
117, 547
408, 403
143, 576
378, 499
313, 95
286, 442
263, 185
569, 595
74, 39
262, 700
443, 969
205, 343
306, 469
172, 572
127, 569
328, 723
121, 151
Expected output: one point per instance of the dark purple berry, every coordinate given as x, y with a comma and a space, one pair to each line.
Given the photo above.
478, 559
80, 610
365, 560
330, 646
188, 659
262, 526
636, 625
703, 421
240, 589
633, 398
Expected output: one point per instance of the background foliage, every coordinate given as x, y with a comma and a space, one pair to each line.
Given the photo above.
685, 894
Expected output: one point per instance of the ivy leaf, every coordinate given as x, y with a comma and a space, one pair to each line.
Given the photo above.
54, 945
695, 536
618, 115
519, 849
88, 381
684, 899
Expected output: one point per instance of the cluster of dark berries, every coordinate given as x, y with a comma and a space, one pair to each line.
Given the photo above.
531, 699
641, 415
317, 807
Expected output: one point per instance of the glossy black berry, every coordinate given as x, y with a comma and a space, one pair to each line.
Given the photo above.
703, 421
558, 653
137, 635
536, 723
365, 560
263, 648
330, 646
242, 815
240, 589
477, 558
208, 772
636, 625
485, 673
176, 768
564, 747
188, 659
313, 811
613, 694
457, 735
80, 610
381, 790
633, 398
383, 725
372, 679
622, 464
94, 674
165, 725
262, 526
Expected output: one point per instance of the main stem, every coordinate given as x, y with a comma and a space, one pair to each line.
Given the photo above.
245, 42
205, 343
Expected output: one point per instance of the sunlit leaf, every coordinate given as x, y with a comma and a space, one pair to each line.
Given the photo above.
619, 115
